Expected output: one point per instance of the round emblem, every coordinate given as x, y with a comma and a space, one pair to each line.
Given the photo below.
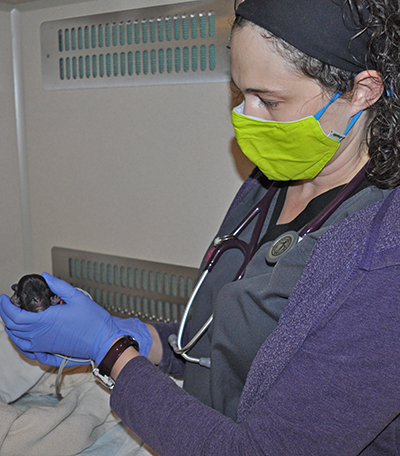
281, 245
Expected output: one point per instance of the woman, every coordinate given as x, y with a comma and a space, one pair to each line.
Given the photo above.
289, 375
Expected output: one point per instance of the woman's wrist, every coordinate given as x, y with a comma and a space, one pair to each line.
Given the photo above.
114, 352
155, 353
156, 350
121, 362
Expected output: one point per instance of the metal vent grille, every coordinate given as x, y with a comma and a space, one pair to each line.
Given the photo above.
170, 44
127, 287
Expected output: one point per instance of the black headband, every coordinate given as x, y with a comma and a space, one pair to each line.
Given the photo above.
323, 29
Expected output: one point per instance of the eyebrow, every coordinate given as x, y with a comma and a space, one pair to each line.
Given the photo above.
263, 91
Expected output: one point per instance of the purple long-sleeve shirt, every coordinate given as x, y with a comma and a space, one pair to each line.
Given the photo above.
325, 382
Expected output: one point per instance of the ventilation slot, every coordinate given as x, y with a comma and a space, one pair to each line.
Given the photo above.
128, 287
171, 44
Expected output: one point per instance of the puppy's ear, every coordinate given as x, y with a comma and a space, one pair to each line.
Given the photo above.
15, 300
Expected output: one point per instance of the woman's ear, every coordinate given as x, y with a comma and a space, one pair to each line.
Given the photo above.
368, 88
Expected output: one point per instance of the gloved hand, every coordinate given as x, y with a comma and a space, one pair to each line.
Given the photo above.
80, 328
138, 330
126, 326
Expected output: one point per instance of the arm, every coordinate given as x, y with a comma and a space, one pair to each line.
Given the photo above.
335, 396
169, 362
156, 350
160, 354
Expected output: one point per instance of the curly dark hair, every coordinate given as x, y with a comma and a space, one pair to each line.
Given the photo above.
383, 123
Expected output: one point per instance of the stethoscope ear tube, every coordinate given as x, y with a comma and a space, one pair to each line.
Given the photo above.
172, 340
176, 341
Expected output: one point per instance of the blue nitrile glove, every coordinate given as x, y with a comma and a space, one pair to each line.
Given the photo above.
138, 330
126, 326
80, 328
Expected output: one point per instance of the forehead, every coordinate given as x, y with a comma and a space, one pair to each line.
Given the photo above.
257, 64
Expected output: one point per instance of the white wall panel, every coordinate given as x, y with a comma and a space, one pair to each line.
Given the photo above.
11, 250
144, 172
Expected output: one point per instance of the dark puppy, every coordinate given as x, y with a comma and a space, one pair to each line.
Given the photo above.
32, 293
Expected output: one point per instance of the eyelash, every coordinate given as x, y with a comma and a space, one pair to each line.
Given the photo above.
269, 104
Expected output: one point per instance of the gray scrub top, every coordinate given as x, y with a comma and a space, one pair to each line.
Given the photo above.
247, 311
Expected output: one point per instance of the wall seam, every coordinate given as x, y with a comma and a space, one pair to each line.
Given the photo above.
25, 203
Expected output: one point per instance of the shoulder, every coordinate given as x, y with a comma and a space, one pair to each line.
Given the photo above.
368, 234
366, 241
369, 239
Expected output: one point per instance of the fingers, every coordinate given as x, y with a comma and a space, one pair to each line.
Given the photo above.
60, 287
23, 345
14, 316
52, 360
29, 355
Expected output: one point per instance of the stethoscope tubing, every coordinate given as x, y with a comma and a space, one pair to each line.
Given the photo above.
231, 241
221, 245
224, 243
176, 341
348, 189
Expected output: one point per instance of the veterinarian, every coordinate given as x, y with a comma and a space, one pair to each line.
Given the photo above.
296, 351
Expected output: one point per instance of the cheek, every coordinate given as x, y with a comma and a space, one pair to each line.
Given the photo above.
254, 108
278, 112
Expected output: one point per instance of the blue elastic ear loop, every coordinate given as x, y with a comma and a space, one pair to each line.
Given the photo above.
353, 119
334, 98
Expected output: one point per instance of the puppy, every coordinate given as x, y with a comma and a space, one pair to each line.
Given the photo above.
33, 294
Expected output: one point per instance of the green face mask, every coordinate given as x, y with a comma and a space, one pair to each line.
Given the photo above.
287, 150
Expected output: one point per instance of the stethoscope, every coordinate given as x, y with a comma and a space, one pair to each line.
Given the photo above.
280, 246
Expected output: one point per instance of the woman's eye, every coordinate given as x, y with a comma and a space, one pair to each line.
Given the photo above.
268, 103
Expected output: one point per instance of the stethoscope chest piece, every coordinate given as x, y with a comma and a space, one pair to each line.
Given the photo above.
281, 245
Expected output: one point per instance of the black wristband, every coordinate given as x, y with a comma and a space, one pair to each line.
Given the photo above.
115, 352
